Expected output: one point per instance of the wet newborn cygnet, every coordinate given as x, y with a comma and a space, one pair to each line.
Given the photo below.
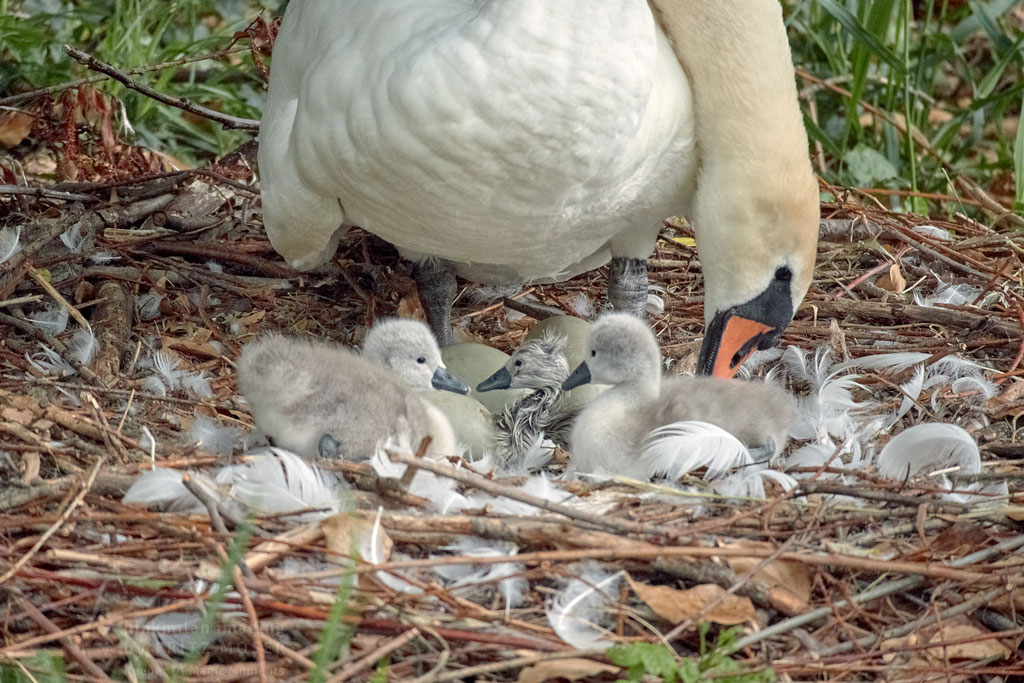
320, 399
611, 433
538, 364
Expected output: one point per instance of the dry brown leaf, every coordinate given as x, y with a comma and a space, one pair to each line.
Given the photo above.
347, 532
978, 649
788, 581
569, 669
893, 280
14, 127
252, 318
675, 605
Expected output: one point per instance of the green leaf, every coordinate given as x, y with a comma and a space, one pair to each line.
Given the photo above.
860, 33
868, 166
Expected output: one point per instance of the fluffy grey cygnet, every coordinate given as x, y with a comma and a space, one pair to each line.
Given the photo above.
320, 399
609, 434
540, 365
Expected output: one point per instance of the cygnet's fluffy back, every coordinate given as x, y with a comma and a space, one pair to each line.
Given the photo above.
753, 412
299, 391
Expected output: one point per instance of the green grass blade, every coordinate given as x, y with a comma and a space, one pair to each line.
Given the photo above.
862, 34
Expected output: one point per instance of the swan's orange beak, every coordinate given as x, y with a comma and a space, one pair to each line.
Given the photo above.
728, 342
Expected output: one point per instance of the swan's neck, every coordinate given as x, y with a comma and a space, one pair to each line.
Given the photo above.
737, 58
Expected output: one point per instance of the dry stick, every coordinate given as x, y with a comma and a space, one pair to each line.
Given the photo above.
979, 600
889, 312
374, 656
882, 591
46, 193
98, 624
58, 297
223, 119
494, 488
86, 485
250, 610
935, 571
20, 97
69, 644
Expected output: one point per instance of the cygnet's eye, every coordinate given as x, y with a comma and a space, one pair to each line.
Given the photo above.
593, 353
421, 360
519, 363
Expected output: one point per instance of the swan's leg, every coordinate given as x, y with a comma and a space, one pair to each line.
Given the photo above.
627, 285
435, 278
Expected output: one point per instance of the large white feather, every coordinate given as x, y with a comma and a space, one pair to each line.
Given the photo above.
162, 487
280, 481
748, 482
575, 612
681, 447
925, 448
886, 362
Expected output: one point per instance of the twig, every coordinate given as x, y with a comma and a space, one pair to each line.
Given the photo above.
494, 488
61, 521
223, 119
374, 656
70, 85
69, 644
901, 585
46, 193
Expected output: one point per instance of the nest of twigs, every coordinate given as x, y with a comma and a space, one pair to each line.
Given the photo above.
892, 580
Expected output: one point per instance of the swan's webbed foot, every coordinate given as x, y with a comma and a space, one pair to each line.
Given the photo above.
435, 278
627, 285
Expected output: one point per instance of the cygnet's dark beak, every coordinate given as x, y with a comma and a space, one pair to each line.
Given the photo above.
445, 380
502, 379
581, 375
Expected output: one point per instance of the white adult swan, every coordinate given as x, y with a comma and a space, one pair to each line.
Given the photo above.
531, 140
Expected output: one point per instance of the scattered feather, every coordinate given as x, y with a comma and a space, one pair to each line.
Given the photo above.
49, 362
936, 233
679, 448
575, 612
197, 384
173, 634
911, 390
748, 482
74, 238
887, 362
163, 488
212, 437
279, 481
655, 305
84, 345
53, 320
582, 305
925, 448
149, 306
154, 385
9, 242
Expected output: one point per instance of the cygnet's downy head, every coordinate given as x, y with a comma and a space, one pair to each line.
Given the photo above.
621, 349
408, 349
537, 364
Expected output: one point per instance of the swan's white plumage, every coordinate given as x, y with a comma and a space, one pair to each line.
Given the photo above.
528, 140
512, 115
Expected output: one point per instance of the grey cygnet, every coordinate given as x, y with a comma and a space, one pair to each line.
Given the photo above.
320, 399
609, 434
